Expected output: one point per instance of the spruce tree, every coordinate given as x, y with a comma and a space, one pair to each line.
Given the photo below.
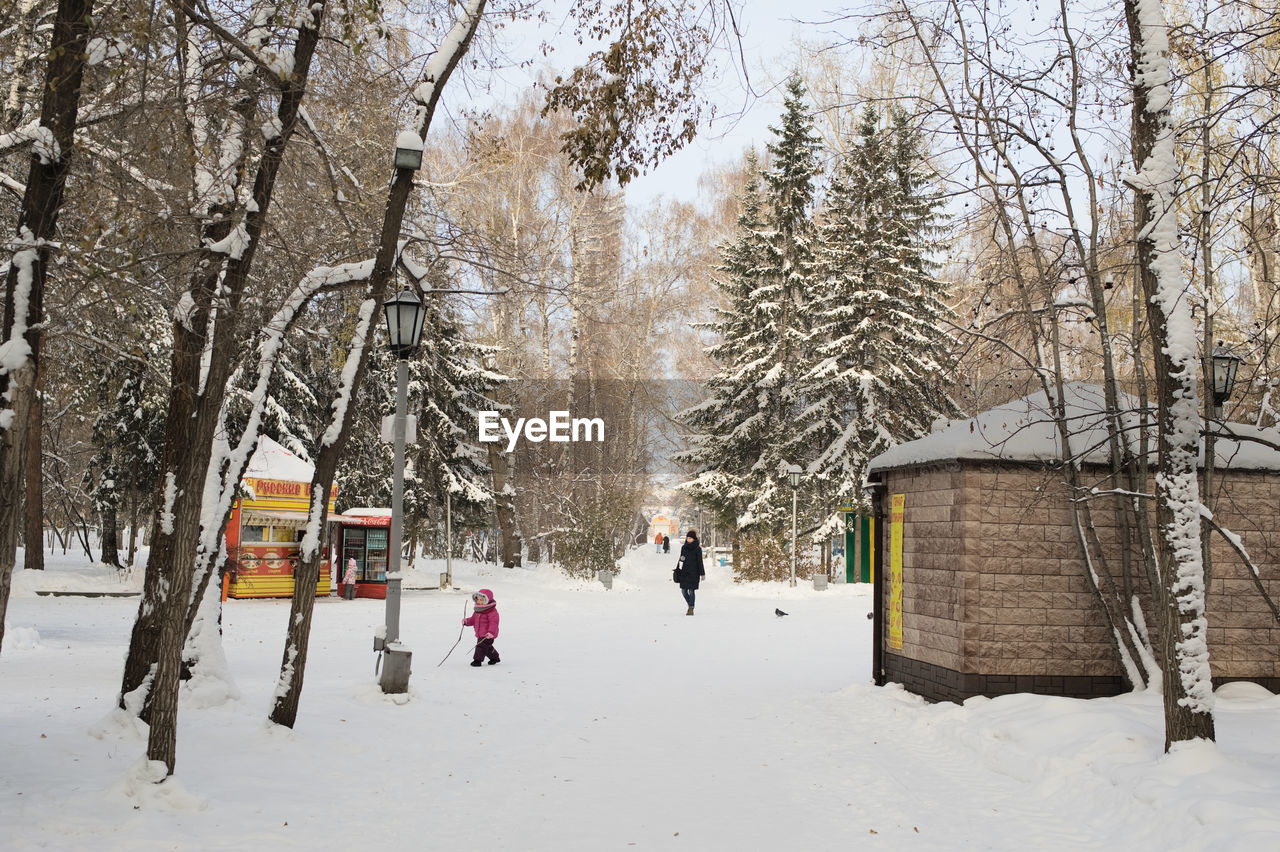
746, 429
127, 433
882, 366
448, 387
733, 422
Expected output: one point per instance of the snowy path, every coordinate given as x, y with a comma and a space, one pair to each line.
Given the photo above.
613, 722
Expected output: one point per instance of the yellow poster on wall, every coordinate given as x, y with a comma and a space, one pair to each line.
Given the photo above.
896, 514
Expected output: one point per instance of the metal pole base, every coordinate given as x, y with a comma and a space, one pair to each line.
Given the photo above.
395, 670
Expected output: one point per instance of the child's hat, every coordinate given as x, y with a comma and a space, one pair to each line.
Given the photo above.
482, 598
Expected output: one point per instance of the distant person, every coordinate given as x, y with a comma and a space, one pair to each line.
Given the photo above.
689, 569
657, 542
484, 618
666, 544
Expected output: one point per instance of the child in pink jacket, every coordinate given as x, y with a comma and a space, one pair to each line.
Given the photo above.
485, 621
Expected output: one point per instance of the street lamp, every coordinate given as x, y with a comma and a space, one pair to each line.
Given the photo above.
448, 539
408, 150
793, 475
405, 314
1225, 365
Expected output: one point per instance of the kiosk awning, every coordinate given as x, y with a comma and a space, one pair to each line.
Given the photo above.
283, 518
274, 517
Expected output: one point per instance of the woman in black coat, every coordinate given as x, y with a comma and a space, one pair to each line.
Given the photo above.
689, 569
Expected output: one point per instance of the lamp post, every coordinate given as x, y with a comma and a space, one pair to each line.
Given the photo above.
448, 539
1224, 363
405, 314
793, 476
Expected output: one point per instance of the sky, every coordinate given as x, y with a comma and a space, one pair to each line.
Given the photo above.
770, 30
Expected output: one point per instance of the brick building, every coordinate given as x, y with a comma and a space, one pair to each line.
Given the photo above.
983, 590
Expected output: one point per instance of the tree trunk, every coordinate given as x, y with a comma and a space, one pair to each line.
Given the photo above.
110, 537
133, 530
504, 507
1180, 598
12, 471
37, 225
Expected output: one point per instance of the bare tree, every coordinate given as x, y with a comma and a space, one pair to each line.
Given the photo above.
52, 145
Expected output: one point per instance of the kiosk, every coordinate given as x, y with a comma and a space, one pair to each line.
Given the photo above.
363, 535
269, 519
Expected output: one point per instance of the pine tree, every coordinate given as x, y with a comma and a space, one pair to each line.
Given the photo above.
127, 433
882, 368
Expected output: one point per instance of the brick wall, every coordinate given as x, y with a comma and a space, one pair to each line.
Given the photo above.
936, 548
994, 586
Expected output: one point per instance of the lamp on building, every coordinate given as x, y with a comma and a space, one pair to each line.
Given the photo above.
793, 476
1225, 365
405, 314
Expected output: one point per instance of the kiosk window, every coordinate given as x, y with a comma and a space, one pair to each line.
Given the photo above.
376, 550
353, 548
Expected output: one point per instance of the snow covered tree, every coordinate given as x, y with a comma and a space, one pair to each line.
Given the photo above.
127, 434
747, 437
881, 349
732, 423
32, 247
1180, 597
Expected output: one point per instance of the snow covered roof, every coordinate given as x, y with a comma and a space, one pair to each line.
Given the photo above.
272, 461
1024, 430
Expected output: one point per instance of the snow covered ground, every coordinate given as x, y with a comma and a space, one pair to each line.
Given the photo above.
614, 721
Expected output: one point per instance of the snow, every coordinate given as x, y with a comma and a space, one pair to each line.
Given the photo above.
613, 720
369, 512
1024, 430
19, 136
354, 355
45, 146
409, 141
185, 311
439, 61
15, 350
98, 50
233, 244
170, 496
270, 460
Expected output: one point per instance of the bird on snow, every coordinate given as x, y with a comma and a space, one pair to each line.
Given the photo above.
778, 612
